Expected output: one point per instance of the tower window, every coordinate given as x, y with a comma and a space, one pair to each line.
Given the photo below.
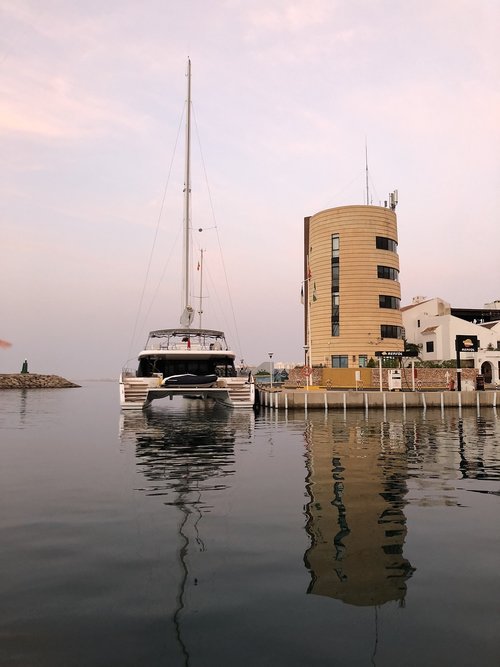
335, 285
385, 301
391, 331
387, 272
385, 243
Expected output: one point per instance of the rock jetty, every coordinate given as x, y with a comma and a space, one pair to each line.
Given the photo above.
34, 381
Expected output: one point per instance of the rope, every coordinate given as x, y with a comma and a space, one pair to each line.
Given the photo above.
146, 278
218, 238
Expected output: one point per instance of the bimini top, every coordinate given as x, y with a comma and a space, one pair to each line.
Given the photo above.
187, 339
194, 333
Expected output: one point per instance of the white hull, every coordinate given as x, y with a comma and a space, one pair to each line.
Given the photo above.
137, 393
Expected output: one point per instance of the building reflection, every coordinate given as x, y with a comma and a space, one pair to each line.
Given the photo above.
356, 483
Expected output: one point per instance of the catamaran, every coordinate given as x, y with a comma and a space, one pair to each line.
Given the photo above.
186, 361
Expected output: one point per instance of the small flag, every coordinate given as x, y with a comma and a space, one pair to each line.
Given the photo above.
5, 344
302, 295
198, 267
315, 298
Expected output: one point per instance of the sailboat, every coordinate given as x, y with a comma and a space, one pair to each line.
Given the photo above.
186, 361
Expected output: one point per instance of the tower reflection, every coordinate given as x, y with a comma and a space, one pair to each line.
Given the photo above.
356, 482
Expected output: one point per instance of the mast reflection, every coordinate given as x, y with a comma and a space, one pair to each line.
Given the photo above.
183, 455
356, 484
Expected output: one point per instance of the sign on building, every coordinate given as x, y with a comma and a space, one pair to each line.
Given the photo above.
390, 354
466, 343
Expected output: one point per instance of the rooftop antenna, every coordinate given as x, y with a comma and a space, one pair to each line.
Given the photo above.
393, 199
366, 173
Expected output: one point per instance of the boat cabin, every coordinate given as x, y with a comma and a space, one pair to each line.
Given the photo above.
181, 351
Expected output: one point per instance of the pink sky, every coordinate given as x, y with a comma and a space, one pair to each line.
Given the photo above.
284, 95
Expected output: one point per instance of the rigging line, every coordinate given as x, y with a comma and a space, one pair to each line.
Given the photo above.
372, 183
160, 281
217, 301
238, 342
217, 233
340, 191
155, 237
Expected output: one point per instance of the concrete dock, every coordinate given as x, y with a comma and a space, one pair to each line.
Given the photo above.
318, 398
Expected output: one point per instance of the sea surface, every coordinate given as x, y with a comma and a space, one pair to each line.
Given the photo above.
194, 536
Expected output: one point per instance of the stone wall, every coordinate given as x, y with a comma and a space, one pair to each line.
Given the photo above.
345, 378
34, 381
427, 378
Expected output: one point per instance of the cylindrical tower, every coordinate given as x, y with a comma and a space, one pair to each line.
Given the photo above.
352, 289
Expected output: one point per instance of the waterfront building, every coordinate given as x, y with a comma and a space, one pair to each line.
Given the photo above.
433, 325
351, 289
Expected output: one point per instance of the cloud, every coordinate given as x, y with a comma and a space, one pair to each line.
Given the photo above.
39, 104
289, 17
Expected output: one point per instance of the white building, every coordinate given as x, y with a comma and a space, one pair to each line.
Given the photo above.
434, 324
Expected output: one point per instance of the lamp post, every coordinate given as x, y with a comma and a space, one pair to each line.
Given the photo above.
271, 367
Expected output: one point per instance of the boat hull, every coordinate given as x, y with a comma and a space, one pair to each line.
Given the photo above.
138, 393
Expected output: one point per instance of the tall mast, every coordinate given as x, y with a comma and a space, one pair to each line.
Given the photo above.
200, 312
187, 312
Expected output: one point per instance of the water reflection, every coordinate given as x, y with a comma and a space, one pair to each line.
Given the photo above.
454, 448
357, 482
361, 473
184, 451
183, 454
22, 405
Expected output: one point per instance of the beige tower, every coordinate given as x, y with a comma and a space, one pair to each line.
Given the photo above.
352, 291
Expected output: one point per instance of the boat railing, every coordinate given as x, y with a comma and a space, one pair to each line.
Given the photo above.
187, 346
128, 373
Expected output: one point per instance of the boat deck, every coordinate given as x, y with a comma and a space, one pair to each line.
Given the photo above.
139, 393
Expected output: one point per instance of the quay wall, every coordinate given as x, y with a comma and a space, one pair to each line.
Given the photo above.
322, 399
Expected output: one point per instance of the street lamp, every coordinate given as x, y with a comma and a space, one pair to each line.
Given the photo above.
306, 351
271, 367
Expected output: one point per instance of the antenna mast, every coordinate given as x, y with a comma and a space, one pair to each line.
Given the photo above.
366, 174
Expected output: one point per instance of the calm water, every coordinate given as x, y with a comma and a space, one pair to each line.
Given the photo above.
186, 537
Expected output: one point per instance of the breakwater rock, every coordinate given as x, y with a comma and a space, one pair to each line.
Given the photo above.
34, 381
